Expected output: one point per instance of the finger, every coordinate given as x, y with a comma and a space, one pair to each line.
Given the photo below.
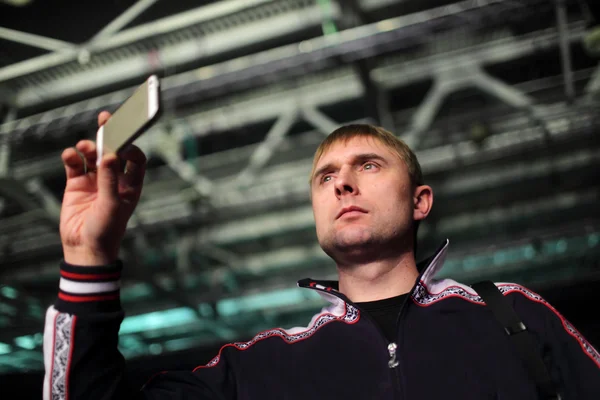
108, 179
87, 148
136, 165
103, 117
134, 154
134, 174
73, 163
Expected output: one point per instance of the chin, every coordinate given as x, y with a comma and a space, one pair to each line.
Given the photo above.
353, 239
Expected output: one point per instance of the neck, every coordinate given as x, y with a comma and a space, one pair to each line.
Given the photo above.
378, 279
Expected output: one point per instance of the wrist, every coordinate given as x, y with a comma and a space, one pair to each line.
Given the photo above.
88, 257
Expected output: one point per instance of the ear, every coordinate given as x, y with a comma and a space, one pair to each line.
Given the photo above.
423, 202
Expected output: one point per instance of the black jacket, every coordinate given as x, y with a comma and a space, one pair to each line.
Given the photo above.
448, 345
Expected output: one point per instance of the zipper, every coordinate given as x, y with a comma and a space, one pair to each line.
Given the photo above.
393, 362
392, 347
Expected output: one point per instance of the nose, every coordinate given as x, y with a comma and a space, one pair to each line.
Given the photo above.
345, 183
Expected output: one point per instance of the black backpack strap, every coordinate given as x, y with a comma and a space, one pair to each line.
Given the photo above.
520, 337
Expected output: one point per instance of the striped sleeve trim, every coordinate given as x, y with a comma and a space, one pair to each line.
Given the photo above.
83, 287
89, 277
59, 330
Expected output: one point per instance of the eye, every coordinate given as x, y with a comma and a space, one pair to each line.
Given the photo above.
326, 178
369, 165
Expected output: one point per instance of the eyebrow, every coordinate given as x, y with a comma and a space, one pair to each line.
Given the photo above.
355, 159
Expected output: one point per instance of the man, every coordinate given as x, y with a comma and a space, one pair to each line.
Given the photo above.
391, 331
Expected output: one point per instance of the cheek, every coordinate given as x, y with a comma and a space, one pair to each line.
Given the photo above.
320, 211
393, 199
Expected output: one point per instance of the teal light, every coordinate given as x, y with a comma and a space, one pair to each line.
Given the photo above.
35, 310
499, 258
180, 344
4, 348
451, 265
261, 301
206, 310
529, 252
131, 343
155, 348
7, 309
9, 292
561, 246
135, 292
470, 263
593, 239
157, 320
25, 342
38, 338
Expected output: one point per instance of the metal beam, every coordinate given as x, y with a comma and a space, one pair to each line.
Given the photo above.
179, 21
249, 68
425, 114
5, 146
50, 204
266, 107
13, 189
129, 36
168, 148
122, 20
502, 91
252, 68
30, 39
319, 120
375, 99
459, 75
271, 106
139, 65
565, 49
592, 89
265, 150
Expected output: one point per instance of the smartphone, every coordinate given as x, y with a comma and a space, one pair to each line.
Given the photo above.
131, 119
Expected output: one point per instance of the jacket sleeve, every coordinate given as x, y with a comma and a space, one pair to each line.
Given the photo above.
81, 357
572, 361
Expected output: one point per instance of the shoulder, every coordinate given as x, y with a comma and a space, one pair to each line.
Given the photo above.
530, 306
434, 291
342, 312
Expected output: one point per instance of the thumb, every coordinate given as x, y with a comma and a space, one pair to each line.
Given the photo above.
108, 178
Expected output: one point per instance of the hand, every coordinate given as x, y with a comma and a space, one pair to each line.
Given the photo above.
97, 205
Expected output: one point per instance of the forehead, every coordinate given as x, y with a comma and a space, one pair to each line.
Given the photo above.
346, 149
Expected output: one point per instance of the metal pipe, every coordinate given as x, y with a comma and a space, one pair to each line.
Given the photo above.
38, 41
565, 50
122, 20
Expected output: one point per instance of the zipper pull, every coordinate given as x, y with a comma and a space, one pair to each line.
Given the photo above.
392, 347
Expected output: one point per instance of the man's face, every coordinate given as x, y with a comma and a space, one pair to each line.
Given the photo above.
362, 200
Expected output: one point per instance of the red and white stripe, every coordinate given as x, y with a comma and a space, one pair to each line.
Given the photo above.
87, 287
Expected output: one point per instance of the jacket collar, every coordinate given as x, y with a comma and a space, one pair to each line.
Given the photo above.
428, 269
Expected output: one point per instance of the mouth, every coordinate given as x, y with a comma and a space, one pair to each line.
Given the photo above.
350, 210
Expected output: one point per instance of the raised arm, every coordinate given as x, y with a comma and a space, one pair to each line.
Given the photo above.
81, 357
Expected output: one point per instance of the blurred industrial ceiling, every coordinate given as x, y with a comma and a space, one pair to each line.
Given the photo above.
499, 99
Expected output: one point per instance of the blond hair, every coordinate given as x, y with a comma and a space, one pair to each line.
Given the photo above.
398, 146
348, 132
